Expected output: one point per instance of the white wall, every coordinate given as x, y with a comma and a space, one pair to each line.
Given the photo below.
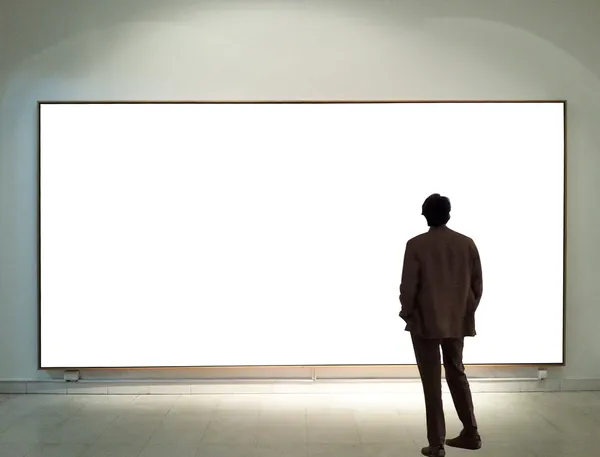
315, 49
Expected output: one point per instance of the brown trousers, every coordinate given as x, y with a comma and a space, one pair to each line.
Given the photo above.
427, 352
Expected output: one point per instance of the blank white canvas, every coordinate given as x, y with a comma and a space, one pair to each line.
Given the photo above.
273, 234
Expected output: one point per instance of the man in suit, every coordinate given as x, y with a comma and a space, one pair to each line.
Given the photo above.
440, 291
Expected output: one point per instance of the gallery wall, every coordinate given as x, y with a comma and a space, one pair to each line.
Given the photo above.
198, 50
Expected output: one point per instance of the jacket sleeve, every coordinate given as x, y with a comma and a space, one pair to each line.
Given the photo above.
409, 285
476, 276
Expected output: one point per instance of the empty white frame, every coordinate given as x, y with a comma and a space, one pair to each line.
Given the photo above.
248, 234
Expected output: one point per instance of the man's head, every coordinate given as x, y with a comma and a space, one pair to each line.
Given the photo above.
436, 210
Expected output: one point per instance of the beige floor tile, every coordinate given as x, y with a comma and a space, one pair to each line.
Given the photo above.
288, 450
15, 450
390, 450
232, 430
57, 450
226, 450
169, 450
335, 450
186, 433
113, 450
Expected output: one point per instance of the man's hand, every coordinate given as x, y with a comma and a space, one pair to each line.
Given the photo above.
404, 316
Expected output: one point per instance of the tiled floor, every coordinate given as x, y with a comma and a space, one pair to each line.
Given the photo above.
524, 425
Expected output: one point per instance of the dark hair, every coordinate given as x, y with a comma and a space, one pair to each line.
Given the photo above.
436, 210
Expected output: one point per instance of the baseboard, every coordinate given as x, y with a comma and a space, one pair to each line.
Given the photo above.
331, 386
578, 385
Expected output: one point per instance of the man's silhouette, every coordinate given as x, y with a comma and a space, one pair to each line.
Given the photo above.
440, 292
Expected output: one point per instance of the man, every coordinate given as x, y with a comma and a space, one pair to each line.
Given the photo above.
440, 292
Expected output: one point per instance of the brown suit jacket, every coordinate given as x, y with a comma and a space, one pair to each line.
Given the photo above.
441, 284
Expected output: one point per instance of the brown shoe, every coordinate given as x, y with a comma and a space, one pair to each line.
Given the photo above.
433, 451
466, 440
